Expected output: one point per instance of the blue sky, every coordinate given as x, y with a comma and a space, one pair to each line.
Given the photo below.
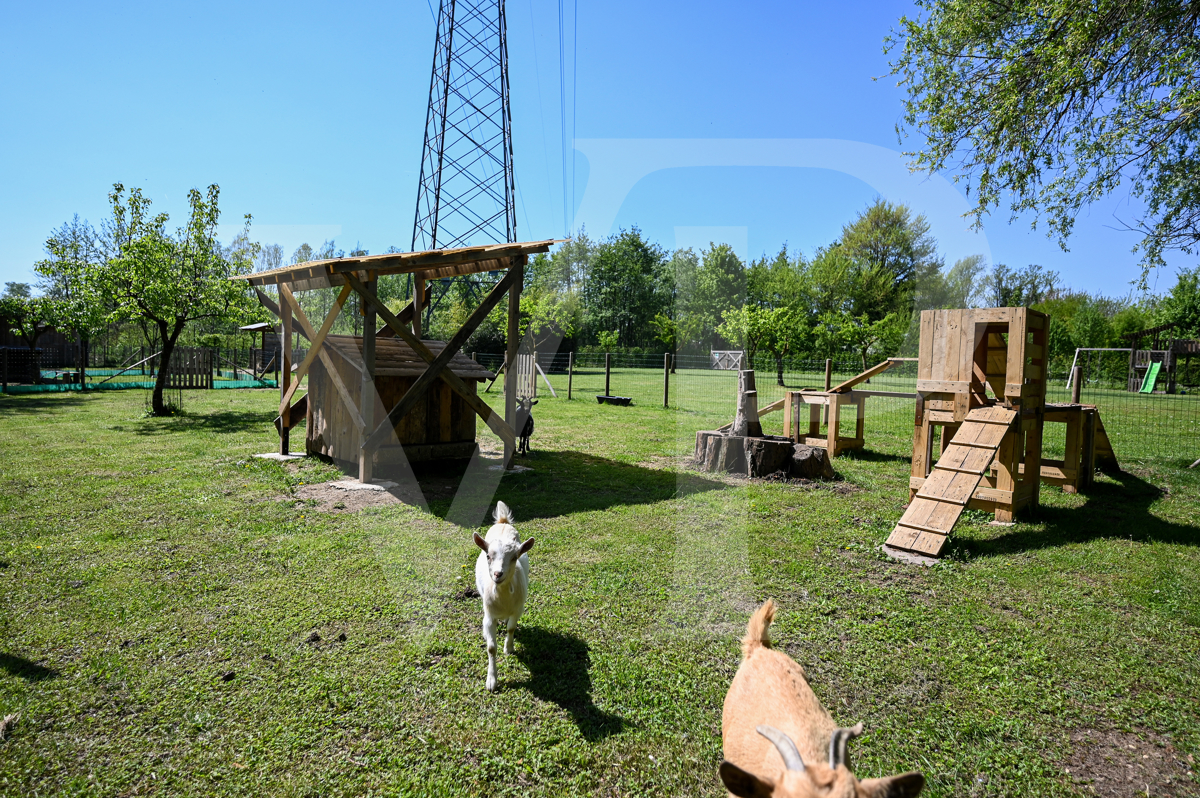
756, 124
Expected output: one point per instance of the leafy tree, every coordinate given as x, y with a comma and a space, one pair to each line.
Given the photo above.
19, 290
1182, 305
1051, 104
74, 251
169, 279
891, 238
1012, 288
962, 286
30, 317
625, 289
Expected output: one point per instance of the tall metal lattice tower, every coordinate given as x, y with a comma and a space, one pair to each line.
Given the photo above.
466, 194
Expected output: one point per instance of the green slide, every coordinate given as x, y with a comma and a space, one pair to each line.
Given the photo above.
1151, 378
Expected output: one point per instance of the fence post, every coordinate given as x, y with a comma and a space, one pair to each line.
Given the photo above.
6, 369
666, 377
1076, 377
607, 372
828, 385
570, 372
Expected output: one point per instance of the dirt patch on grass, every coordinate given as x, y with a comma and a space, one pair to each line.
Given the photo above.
1117, 764
333, 497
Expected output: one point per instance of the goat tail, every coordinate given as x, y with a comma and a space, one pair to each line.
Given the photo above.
758, 629
503, 515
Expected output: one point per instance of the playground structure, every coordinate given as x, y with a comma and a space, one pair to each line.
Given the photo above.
831, 403
375, 416
1159, 360
981, 379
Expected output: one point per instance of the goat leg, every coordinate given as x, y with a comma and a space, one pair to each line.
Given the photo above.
508, 646
489, 635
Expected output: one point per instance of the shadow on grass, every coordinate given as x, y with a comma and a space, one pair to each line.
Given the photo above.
222, 422
1120, 511
29, 671
39, 402
558, 665
564, 482
871, 456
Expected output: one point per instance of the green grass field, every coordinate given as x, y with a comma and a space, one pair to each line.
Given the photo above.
160, 589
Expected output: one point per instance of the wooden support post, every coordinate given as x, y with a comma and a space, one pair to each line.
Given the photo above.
367, 393
285, 384
1076, 378
789, 401
666, 378
514, 342
570, 372
835, 417
6, 369
418, 304
533, 372
828, 384
607, 373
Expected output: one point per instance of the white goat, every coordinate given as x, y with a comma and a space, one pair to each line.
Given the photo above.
502, 579
777, 735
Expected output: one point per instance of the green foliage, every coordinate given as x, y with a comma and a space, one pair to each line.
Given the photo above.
625, 288
608, 339
165, 279
1051, 104
1182, 305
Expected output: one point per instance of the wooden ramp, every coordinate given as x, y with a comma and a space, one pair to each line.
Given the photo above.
935, 509
1106, 458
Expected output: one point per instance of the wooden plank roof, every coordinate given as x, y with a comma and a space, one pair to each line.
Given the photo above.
394, 358
431, 264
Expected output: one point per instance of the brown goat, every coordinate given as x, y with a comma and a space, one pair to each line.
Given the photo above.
778, 739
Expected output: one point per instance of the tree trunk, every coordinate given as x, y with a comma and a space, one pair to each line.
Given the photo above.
157, 405
83, 359
745, 422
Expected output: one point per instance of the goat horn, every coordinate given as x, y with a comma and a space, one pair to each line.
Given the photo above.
837, 744
787, 749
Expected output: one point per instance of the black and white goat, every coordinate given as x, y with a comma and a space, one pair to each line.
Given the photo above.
525, 408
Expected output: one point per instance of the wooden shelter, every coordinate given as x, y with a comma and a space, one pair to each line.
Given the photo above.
411, 371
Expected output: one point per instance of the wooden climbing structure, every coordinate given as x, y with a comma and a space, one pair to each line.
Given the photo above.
981, 383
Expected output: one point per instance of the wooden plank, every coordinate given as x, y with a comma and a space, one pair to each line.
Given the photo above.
925, 362
953, 356
993, 415
334, 376
485, 412
929, 544
862, 376
938, 357
943, 386
315, 343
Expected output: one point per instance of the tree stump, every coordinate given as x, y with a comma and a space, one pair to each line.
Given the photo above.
810, 462
746, 423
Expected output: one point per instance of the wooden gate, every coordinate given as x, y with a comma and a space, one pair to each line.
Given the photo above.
190, 367
526, 375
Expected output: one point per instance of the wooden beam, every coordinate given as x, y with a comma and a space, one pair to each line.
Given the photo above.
307, 331
864, 376
405, 316
315, 343
455, 382
512, 372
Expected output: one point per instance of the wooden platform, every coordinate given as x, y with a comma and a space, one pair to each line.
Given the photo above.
953, 482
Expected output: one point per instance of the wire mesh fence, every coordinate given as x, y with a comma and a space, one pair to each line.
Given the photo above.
1154, 426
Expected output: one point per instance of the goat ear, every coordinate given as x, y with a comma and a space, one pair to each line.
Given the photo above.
526, 546
534, 402
480, 542
906, 785
743, 784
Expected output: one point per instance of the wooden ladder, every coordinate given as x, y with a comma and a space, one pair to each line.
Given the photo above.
939, 503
